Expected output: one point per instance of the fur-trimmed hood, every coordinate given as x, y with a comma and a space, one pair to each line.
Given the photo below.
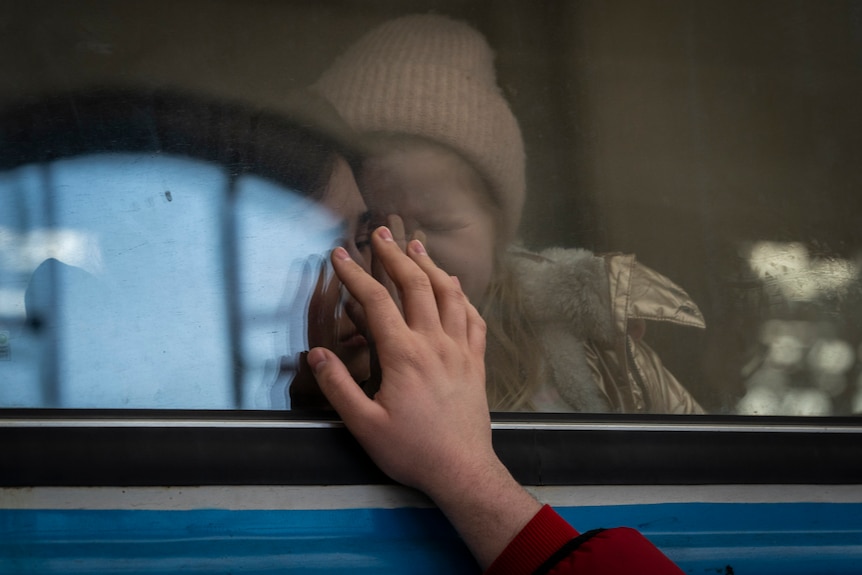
565, 285
593, 293
581, 304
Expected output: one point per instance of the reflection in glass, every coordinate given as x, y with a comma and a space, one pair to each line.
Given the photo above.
720, 142
282, 240
117, 290
805, 353
446, 157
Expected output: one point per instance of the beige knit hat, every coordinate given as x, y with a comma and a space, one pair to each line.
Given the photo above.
431, 76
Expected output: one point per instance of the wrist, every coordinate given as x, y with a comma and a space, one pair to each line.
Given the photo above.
487, 507
457, 478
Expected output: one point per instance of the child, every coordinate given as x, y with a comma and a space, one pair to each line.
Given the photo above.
445, 154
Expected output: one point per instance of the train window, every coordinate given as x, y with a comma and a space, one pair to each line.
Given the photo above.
654, 209
126, 282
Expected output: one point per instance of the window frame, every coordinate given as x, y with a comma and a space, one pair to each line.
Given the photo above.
183, 448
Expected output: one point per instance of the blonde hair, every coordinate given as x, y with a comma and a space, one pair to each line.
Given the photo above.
513, 354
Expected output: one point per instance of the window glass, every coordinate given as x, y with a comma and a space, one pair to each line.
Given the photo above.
655, 209
123, 299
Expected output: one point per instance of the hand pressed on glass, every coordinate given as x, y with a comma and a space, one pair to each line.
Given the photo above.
428, 426
432, 362
321, 329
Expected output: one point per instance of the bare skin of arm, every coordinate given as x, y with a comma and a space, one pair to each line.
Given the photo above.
428, 426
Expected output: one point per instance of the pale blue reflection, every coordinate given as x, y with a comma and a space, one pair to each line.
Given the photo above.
116, 287
25, 241
280, 236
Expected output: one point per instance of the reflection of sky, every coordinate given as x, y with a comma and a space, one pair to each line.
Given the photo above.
142, 314
277, 233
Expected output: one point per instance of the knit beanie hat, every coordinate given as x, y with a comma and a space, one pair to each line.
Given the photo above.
433, 77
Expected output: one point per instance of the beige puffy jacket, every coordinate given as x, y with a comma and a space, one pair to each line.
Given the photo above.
589, 311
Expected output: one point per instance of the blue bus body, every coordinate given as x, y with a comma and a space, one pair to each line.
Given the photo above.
162, 492
389, 529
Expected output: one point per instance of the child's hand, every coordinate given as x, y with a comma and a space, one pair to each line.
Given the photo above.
321, 330
399, 235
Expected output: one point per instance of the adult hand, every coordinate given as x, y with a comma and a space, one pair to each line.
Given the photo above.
431, 411
428, 426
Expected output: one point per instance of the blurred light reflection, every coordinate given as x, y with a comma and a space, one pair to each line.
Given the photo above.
805, 360
789, 267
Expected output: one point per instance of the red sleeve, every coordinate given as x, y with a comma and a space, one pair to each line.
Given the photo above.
612, 551
537, 541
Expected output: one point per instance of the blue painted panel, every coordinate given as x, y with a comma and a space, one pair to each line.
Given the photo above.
703, 538
218, 541
736, 538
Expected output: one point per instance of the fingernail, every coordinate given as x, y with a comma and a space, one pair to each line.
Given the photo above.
385, 233
456, 281
418, 248
316, 359
341, 253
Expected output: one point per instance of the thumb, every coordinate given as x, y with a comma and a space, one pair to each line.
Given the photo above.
336, 383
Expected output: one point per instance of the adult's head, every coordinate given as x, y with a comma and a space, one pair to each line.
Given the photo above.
190, 218
428, 79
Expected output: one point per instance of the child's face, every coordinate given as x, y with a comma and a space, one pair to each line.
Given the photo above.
437, 193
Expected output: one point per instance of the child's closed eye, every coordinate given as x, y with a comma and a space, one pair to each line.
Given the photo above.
442, 226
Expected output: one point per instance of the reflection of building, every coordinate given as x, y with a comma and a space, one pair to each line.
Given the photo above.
127, 301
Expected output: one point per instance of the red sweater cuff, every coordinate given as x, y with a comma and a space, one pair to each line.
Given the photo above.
539, 539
